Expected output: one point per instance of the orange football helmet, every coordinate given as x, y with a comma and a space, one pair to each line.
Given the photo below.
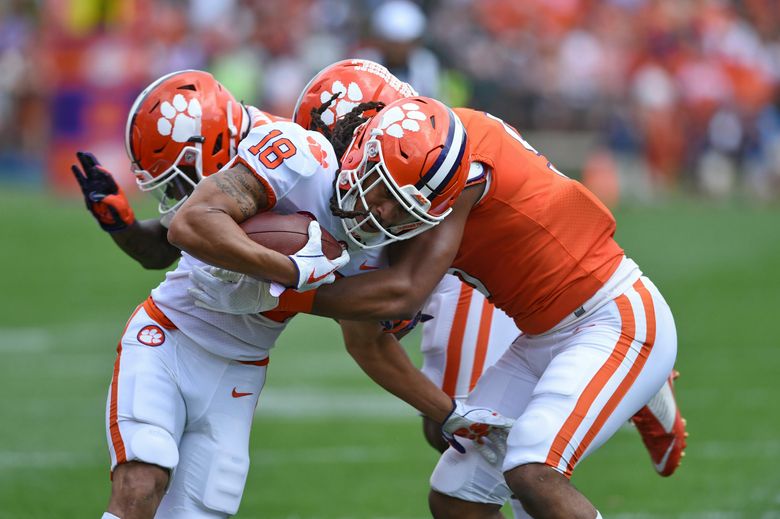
417, 149
182, 127
356, 81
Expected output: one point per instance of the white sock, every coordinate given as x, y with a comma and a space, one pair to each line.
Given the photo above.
598, 515
109, 516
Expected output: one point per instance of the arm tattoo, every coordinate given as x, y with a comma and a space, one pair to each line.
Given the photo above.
241, 185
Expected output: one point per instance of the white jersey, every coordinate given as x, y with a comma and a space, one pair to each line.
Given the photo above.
297, 168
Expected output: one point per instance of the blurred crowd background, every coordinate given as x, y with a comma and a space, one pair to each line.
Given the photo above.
638, 98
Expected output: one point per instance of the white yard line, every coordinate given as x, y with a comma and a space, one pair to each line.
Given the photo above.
705, 514
25, 340
40, 459
314, 402
324, 455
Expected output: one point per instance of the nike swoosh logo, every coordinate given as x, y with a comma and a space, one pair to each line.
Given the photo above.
661, 464
364, 266
236, 394
314, 279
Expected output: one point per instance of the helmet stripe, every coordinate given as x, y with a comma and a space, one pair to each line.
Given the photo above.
439, 175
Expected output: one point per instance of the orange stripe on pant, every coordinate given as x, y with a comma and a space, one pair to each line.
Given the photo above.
483, 339
625, 384
455, 343
262, 362
113, 424
596, 384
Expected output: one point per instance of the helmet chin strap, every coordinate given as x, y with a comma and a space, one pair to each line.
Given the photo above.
246, 121
233, 130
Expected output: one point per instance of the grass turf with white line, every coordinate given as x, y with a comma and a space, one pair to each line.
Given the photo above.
327, 443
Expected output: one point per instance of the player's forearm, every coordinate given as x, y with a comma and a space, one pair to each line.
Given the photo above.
206, 226
146, 242
215, 238
372, 297
398, 292
386, 362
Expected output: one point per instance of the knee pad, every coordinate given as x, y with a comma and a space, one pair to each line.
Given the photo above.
469, 477
153, 444
529, 439
225, 482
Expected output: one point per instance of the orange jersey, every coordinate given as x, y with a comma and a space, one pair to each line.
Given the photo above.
539, 243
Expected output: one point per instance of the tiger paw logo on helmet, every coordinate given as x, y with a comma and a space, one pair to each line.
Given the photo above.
400, 118
175, 122
350, 96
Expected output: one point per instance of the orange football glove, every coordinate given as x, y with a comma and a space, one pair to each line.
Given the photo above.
104, 198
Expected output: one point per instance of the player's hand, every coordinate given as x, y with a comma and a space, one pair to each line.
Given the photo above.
230, 292
485, 427
404, 326
314, 268
104, 198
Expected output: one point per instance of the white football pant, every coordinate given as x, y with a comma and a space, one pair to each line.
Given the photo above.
173, 404
571, 388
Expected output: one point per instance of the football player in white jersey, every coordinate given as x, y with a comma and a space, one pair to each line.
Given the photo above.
164, 162
186, 379
185, 126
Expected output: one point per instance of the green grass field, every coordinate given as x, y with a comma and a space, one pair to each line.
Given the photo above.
329, 444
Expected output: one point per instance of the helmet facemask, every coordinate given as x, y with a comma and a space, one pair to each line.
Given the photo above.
174, 185
371, 173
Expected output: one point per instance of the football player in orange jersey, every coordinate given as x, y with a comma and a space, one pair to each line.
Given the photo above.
463, 334
460, 310
599, 340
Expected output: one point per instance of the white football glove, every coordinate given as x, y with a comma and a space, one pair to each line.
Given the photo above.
230, 292
485, 427
314, 268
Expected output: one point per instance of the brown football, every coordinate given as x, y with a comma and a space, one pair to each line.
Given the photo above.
287, 233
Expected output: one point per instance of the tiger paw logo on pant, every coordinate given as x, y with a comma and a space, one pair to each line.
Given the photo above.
180, 120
